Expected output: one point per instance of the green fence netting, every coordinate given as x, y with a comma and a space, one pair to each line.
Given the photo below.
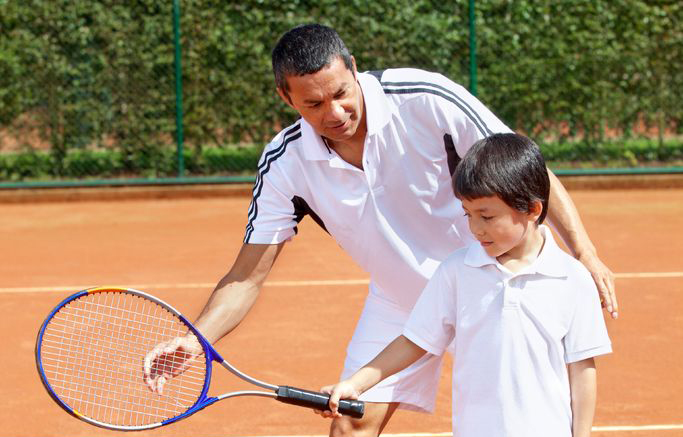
100, 91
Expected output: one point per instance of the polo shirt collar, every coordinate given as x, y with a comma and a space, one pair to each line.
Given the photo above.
377, 115
377, 109
549, 262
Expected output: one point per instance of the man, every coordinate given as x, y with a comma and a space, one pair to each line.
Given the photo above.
371, 161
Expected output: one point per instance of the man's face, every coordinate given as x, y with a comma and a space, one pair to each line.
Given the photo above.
330, 100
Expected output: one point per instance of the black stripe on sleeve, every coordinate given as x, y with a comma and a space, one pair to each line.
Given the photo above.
268, 159
448, 94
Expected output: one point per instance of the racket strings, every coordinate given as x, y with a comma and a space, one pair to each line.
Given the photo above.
92, 355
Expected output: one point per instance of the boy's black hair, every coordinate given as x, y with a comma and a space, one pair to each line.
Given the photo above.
509, 166
307, 49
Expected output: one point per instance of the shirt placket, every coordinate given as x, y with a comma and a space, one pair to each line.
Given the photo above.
512, 294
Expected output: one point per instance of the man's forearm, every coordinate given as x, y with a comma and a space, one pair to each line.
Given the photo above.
565, 219
237, 291
228, 305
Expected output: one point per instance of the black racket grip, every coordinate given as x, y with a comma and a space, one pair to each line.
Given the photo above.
318, 401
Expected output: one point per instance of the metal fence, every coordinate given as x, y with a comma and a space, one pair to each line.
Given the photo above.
92, 91
97, 98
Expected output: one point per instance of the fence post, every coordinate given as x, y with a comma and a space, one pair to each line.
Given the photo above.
473, 51
178, 88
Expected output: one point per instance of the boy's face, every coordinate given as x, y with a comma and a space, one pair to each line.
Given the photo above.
499, 228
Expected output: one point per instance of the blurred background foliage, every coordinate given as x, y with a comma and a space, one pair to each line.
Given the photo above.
92, 81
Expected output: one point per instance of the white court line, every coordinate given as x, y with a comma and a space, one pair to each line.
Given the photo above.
594, 429
311, 283
75, 288
648, 275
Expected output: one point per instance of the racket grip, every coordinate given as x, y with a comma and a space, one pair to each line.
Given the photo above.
318, 401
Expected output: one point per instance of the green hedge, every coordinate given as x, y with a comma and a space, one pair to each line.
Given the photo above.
92, 73
112, 163
243, 160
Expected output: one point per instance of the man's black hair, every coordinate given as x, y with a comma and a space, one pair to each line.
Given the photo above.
307, 49
509, 166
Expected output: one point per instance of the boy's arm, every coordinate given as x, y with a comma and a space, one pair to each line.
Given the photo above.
398, 355
583, 386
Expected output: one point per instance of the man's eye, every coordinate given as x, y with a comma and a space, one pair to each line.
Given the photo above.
486, 217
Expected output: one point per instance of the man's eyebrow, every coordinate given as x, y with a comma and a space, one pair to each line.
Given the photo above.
342, 88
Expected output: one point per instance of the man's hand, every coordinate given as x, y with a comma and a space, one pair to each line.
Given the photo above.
168, 360
341, 390
604, 280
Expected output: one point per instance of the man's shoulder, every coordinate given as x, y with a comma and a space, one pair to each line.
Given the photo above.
405, 74
285, 137
413, 80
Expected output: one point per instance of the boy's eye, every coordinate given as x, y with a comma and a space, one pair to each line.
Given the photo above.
486, 217
467, 214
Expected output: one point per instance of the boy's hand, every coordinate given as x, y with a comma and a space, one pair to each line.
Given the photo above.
340, 390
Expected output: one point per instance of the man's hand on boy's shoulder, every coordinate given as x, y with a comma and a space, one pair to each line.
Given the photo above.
604, 280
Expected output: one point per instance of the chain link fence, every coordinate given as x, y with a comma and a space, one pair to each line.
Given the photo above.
94, 91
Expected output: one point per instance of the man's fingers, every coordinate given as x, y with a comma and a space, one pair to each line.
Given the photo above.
160, 384
608, 297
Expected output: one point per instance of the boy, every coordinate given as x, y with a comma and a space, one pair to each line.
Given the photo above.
525, 316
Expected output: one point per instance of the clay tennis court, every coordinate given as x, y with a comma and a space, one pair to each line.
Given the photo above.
178, 248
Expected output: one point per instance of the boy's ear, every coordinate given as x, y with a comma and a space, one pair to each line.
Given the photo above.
535, 210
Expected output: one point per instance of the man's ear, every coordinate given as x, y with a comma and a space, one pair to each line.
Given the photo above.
285, 97
355, 70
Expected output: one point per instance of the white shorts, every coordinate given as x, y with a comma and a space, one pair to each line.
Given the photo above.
414, 387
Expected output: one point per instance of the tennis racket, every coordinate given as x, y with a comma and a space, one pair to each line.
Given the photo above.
90, 354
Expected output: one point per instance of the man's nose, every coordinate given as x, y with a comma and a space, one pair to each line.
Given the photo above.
335, 111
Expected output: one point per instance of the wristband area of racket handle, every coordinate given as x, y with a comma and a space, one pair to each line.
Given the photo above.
318, 401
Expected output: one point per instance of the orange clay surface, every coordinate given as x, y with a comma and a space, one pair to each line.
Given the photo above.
296, 334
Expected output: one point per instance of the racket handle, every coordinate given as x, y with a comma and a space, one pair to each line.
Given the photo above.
318, 401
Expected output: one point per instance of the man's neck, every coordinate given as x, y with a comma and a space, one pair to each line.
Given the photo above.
350, 151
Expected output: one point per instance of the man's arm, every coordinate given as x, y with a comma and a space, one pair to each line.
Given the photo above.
565, 219
230, 301
236, 293
583, 385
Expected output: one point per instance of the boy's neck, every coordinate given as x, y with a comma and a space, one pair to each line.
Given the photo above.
525, 253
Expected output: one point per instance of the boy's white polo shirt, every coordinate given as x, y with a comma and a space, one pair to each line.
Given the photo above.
514, 334
398, 217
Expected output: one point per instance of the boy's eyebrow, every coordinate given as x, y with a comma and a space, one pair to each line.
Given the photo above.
483, 208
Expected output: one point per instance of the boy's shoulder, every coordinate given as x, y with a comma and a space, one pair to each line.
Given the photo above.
457, 257
569, 267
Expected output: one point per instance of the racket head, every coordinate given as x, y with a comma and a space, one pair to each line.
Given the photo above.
90, 352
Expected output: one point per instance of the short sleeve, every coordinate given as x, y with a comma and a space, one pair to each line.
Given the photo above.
271, 217
463, 115
587, 335
431, 324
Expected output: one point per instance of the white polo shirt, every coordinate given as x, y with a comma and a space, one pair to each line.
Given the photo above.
514, 334
398, 217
